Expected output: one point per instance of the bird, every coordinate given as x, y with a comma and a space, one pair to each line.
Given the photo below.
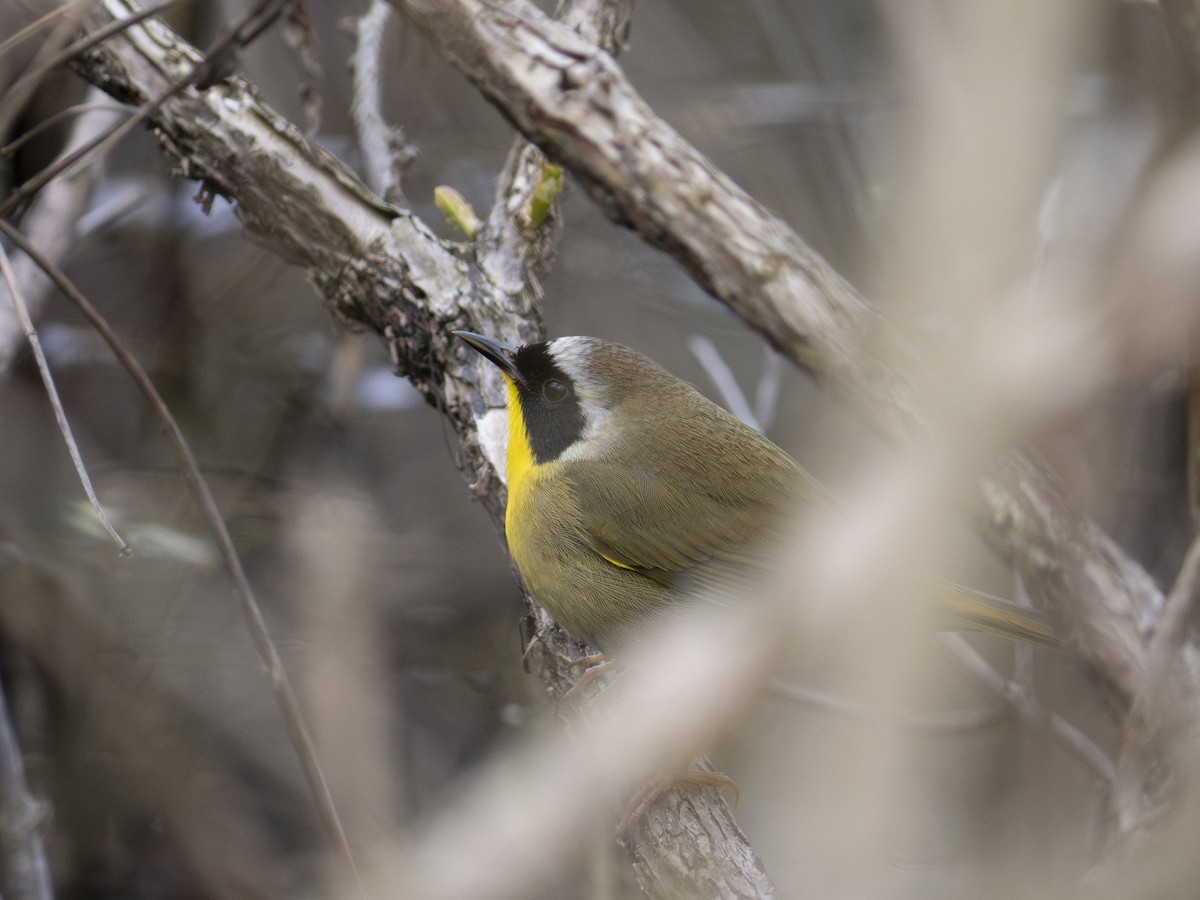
630, 494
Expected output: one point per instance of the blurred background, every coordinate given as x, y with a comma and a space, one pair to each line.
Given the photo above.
144, 720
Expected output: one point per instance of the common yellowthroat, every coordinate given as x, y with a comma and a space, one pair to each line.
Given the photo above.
629, 491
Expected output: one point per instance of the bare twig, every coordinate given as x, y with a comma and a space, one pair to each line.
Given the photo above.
1030, 710
27, 872
1170, 629
298, 33
603, 23
718, 372
1193, 446
285, 696
51, 222
766, 394
79, 109
384, 150
30, 80
952, 721
48, 56
60, 415
149, 724
571, 99
17, 37
1170, 632
1182, 29
241, 32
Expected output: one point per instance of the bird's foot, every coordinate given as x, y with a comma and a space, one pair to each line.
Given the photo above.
594, 666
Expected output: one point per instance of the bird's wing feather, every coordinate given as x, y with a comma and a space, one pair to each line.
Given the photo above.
694, 539
635, 523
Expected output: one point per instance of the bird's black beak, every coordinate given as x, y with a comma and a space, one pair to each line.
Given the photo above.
500, 353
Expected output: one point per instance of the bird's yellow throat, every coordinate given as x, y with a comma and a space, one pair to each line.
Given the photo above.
520, 457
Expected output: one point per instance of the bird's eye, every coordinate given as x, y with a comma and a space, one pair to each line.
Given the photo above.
554, 391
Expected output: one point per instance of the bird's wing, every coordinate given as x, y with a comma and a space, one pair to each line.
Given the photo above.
633, 522
698, 539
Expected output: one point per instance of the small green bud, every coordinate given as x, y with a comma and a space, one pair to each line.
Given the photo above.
457, 210
545, 192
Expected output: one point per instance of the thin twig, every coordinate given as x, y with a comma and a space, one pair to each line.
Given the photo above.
709, 357
953, 721
285, 696
1023, 653
766, 394
1030, 710
1193, 446
233, 36
383, 147
17, 95
51, 223
1180, 602
60, 415
49, 122
1171, 628
21, 34
24, 861
29, 81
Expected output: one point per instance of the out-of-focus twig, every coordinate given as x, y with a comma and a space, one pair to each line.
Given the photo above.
60, 415
11, 41
48, 56
385, 152
766, 393
50, 222
1170, 632
1193, 446
27, 872
13, 101
281, 686
240, 32
945, 722
1182, 29
1030, 710
79, 109
714, 366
